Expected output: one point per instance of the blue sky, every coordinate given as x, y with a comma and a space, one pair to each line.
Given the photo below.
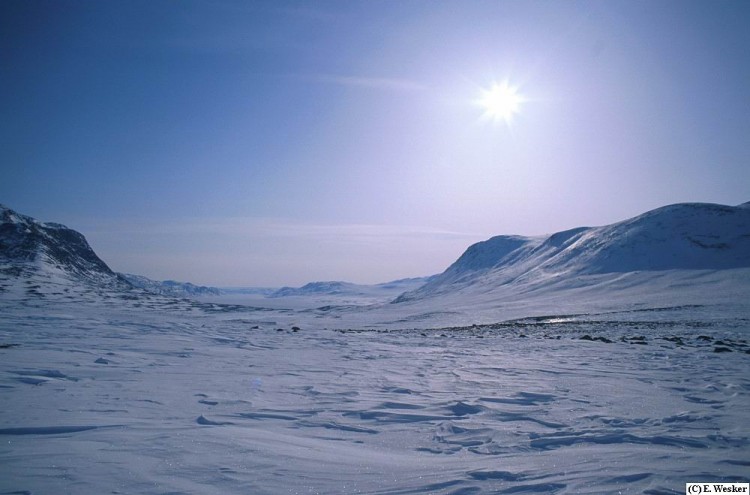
275, 143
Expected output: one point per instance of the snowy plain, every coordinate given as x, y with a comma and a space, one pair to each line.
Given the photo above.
106, 392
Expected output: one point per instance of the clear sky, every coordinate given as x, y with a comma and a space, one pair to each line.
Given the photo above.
276, 143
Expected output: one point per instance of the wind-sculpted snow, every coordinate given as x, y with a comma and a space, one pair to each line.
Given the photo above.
153, 395
529, 366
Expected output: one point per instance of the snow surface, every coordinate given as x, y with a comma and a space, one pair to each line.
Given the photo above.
152, 395
565, 376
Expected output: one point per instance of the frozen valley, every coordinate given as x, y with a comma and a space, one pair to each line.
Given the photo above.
550, 365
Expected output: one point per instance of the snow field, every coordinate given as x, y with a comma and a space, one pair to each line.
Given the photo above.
160, 398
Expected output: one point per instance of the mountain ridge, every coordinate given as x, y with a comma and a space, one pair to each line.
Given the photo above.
29, 247
170, 287
683, 236
340, 288
691, 236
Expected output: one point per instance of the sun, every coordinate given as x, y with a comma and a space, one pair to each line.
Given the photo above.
501, 102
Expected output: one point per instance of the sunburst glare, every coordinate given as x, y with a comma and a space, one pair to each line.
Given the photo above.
501, 102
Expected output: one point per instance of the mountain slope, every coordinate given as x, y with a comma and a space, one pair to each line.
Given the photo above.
348, 289
31, 248
170, 287
689, 236
318, 288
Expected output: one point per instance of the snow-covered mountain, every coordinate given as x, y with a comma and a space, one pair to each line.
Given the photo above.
337, 288
49, 251
317, 288
557, 272
170, 287
256, 291
689, 236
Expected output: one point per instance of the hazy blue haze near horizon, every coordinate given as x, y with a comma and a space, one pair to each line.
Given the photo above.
275, 143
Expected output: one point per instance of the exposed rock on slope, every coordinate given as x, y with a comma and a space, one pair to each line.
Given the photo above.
318, 288
29, 248
170, 287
